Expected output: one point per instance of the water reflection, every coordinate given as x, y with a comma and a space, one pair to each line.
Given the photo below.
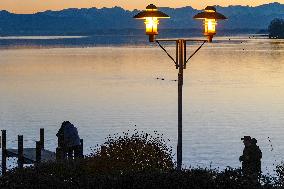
230, 90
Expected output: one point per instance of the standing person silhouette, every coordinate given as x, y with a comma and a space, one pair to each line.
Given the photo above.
257, 156
251, 159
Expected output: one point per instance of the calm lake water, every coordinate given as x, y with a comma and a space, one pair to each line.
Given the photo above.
231, 88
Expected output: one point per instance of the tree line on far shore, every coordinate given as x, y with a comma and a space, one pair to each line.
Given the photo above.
276, 28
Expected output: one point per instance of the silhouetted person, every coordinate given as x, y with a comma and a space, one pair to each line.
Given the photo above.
251, 159
258, 156
69, 140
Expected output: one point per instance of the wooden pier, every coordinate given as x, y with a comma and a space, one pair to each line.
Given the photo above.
31, 155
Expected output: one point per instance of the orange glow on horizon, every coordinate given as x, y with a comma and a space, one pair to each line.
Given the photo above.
32, 6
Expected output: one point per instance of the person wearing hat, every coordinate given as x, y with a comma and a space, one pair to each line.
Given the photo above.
251, 158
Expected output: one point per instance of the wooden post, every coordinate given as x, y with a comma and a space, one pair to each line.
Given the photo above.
81, 148
20, 151
38, 151
42, 138
57, 152
4, 152
60, 150
60, 154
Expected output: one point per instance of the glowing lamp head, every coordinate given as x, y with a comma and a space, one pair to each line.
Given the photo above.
151, 16
210, 17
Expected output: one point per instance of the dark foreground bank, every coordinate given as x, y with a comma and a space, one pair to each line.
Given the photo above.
137, 160
91, 174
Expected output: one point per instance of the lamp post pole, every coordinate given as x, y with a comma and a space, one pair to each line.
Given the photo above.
181, 53
180, 62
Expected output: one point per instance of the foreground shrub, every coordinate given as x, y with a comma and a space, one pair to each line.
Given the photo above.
132, 152
279, 180
73, 174
46, 175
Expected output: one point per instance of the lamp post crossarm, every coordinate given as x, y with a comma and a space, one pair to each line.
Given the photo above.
167, 53
195, 51
176, 40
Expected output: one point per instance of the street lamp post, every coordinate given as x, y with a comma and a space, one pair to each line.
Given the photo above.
181, 56
151, 16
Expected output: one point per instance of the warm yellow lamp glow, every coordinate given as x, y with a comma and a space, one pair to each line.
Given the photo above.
210, 26
151, 25
210, 17
151, 16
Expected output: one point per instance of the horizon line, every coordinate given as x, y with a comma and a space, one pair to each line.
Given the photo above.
79, 8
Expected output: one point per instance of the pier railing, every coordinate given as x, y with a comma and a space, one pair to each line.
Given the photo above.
35, 155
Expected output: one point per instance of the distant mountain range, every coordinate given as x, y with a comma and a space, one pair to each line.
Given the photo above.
101, 21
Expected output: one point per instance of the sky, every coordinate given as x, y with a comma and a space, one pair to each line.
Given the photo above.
32, 6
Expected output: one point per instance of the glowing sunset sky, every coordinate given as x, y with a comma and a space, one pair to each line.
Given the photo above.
31, 6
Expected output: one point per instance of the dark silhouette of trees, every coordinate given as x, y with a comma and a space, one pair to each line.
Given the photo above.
276, 28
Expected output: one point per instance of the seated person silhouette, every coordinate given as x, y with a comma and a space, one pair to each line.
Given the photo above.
69, 140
